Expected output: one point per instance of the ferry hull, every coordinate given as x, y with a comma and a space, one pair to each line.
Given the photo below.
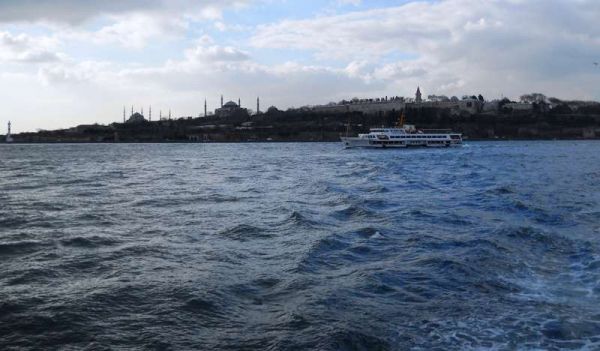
364, 143
354, 142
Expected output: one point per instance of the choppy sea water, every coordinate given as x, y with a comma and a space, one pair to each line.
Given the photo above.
495, 245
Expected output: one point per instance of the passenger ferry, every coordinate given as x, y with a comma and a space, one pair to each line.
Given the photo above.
406, 136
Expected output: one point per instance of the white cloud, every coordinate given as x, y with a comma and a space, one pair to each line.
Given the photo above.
23, 48
494, 46
215, 54
70, 72
135, 31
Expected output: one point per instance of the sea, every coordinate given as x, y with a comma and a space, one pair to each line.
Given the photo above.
300, 246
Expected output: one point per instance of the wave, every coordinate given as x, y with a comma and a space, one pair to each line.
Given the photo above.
181, 200
89, 242
353, 340
13, 222
244, 232
297, 219
34, 276
531, 238
353, 212
22, 247
201, 306
502, 190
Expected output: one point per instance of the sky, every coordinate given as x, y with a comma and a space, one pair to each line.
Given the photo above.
70, 62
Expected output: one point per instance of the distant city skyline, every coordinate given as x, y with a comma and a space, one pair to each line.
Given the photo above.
68, 62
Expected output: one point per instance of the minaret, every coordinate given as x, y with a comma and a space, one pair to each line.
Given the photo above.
150, 114
239, 102
418, 98
9, 138
132, 110
221, 101
160, 115
205, 108
124, 113
258, 105
169, 114
142, 113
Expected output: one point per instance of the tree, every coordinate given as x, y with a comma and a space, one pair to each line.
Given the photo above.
533, 98
562, 109
480, 97
503, 102
554, 100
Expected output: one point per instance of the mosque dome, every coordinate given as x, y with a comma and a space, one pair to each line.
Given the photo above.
230, 104
136, 118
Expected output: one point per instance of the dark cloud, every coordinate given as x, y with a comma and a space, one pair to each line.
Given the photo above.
71, 11
77, 11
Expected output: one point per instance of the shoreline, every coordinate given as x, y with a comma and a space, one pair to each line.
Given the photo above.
271, 141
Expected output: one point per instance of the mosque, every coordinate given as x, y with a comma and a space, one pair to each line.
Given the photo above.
136, 118
231, 108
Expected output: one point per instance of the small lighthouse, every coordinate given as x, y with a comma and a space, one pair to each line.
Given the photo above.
9, 138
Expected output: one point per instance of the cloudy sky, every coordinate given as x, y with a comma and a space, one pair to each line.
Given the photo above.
69, 62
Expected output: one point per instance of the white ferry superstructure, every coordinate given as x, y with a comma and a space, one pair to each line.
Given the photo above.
407, 136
